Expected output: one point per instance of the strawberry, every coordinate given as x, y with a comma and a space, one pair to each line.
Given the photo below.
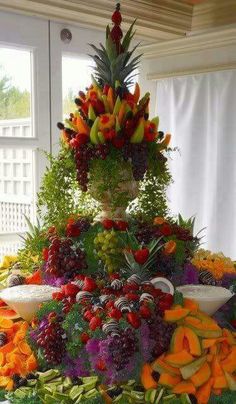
166, 229
35, 278
116, 17
164, 305
74, 144
72, 230
88, 315
132, 296
80, 277
118, 142
89, 284
145, 311
133, 319
82, 139
110, 305
121, 225
115, 313
114, 276
233, 323
129, 287
84, 337
100, 365
168, 299
94, 323
141, 256
108, 224
106, 89
45, 254
58, 296
70, 289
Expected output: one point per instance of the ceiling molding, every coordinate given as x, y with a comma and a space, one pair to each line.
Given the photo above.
191, 43
187, 72
166, 20
213, 13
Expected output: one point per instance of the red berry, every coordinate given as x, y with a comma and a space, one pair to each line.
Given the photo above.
121, 225
80, 277
89, 284
145, 311
74, 143
108, 224
141, 256
133, 319
88, 315
100, 365
115, 313
72, 230
45, 254
58, 296
118, 142
99, 107
114, 276
82, 139
94, 323
109, 305
233, 323
106, 89
129, 287
84, 337
116, 17
164, 306
70, 289
166, 229
132, 296
168, 298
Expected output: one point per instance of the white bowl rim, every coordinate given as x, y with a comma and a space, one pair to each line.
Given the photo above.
205, 298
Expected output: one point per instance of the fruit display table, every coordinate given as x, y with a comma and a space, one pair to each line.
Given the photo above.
115, 303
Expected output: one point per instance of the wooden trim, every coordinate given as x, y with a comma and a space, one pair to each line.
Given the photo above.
187, 72
213, 13
168, 19
191, 43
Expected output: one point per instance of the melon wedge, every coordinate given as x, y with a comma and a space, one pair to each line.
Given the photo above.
179, 359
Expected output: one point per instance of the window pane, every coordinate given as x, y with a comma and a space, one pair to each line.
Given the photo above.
15, 93
76, 76
16, 195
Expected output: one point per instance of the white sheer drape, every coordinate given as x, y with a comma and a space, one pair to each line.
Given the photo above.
200, 112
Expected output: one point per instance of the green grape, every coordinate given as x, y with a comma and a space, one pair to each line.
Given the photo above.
108, 249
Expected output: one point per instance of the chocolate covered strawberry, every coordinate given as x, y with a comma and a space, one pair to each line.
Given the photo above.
89, 284
95, 323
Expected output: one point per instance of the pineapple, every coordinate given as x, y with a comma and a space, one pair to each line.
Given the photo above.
115, 64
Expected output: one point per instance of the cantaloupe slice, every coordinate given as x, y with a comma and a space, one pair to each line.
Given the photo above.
229, 363
216, 368
24, 348
204, 392
192, 321
160, 366
189, 370
204, 332
175, 315
231, 382
146, 377
202, 375
168, 380
31, 363
2, 359
229, 336
208, 342
190, 304
177, 340
179, 359
184, 387
7, 348
193, 342
220, 382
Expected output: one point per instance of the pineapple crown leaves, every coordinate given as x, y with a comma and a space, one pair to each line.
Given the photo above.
114, 61
132, 266
34, 230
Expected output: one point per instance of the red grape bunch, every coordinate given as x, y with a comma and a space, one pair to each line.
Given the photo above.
64, 259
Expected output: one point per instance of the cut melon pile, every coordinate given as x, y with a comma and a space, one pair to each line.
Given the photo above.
16, 355
202, 356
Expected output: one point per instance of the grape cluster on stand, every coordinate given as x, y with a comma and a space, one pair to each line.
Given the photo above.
52, 339
107, 247
63, 259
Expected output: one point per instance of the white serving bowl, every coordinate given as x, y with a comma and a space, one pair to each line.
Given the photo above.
164, 284
209, 298
25, 299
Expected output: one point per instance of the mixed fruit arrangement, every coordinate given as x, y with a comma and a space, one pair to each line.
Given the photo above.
111, 333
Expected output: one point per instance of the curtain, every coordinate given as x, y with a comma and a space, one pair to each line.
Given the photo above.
200, 113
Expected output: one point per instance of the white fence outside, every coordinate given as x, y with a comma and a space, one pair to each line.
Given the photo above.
16, 185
